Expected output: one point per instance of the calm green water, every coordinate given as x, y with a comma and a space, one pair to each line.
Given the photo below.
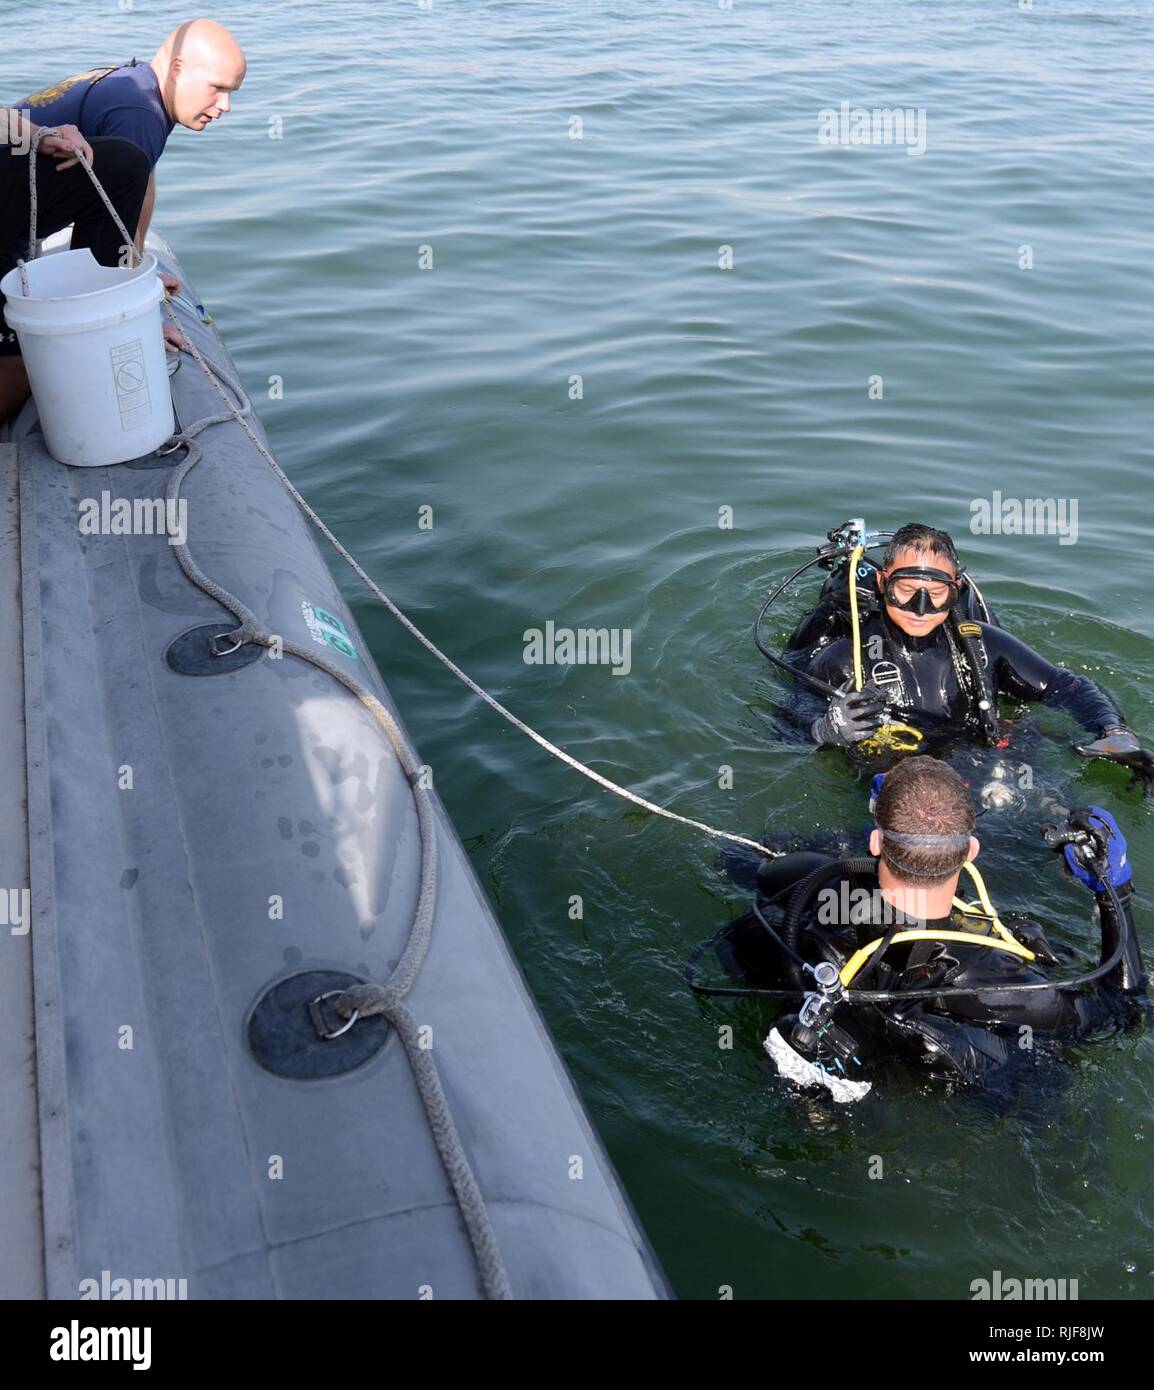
706, 388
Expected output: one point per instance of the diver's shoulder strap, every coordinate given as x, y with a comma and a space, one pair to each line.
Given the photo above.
968, 628
976, 660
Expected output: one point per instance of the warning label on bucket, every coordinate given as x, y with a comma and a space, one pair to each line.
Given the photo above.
131, 384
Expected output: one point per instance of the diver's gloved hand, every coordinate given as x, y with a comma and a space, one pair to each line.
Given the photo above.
1121, 745
853, 715
1109, 844
1031, 935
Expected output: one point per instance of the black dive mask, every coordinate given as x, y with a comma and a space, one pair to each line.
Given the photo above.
919, 603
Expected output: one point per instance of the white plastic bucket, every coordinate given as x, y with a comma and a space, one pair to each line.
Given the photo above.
93, 348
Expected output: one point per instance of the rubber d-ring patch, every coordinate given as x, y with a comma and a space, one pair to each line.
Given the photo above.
190, 654
284, 1039
157, 459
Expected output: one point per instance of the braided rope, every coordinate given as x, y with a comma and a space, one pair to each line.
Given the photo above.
33, 205
388, 998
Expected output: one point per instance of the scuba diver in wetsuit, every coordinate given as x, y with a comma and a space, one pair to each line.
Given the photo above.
889, 962
925, 660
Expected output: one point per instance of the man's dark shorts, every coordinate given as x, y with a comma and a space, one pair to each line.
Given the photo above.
68, 196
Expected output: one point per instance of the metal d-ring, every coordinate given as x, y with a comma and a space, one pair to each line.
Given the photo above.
320, 999
176, 442
236, 646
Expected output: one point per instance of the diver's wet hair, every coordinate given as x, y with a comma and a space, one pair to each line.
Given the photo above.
924, 539
926, 819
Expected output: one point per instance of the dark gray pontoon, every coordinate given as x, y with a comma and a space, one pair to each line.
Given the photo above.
192, 842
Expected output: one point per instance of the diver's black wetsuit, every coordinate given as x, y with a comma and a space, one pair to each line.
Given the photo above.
927, 682
965, 1035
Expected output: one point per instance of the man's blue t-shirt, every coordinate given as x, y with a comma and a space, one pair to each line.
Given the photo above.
126, 103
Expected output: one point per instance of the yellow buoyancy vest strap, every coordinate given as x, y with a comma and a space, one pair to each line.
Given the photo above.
859, 958
1004, 941
987, 907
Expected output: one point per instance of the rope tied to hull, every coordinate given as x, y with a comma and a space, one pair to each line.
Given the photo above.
389, 1001
387, 998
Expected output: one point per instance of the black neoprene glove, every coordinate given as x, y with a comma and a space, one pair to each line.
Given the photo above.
1120, 745
853, 715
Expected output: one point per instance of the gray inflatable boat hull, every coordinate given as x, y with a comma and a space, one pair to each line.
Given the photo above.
165, 813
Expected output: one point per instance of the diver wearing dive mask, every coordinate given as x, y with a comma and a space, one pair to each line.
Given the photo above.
920, 590
921, 665
912, 971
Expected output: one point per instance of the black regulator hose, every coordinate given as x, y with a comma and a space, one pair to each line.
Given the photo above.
802, 896
823, 687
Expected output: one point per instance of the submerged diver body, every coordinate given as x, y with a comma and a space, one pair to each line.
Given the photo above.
929, 654
889, 963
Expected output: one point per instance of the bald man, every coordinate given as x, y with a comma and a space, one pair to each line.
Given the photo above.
188, 82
